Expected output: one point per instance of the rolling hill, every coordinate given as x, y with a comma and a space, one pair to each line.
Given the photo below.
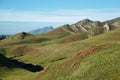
86, 50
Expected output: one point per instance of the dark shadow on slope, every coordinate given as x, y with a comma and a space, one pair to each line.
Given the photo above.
12, 63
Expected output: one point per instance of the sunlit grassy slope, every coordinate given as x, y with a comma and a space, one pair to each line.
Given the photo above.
95, 58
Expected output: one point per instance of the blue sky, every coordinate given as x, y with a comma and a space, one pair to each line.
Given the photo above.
53, 12
57, 4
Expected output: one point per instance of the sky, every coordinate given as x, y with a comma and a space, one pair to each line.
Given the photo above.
25, 15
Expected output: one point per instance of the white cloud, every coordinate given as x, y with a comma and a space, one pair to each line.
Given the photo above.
58, 15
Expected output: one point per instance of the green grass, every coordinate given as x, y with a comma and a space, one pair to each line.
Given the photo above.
53, 54
102, 66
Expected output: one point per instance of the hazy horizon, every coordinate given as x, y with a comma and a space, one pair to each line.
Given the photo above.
17, 27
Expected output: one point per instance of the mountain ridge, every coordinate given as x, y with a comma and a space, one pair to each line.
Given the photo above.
80, 30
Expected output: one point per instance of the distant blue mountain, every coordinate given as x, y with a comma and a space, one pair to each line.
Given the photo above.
42, 30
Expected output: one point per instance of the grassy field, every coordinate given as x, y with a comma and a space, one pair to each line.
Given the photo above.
95, 58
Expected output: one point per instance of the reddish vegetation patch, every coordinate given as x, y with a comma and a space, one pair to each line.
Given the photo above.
78, 59
72, 38
91, 50
72, 64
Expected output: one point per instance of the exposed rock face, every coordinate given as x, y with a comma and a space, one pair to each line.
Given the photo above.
81, 25
106, 27
86, 25
75, 28
83, 28
67, 28
92, 28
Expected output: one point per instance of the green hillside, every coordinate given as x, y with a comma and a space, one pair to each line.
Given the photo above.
63, 54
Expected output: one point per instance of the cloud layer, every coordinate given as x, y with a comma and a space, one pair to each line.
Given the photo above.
58, 15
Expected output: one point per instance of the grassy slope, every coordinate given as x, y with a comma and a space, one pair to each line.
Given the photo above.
104, 65
57, 60
48, 38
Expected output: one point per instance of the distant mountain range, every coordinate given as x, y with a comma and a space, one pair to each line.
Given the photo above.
91, 28
36, 31
42, 30
78, 31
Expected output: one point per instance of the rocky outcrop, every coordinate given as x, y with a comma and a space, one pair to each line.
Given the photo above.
75, 28
106, 27
78, 28
67, 28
